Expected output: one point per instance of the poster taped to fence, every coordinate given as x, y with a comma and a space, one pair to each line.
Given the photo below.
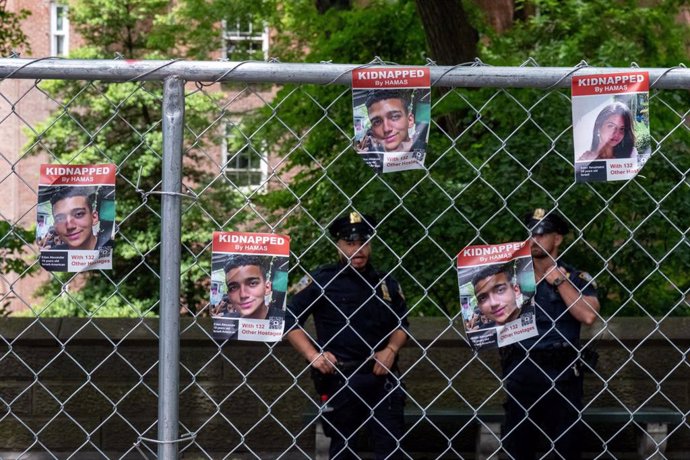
392, 113
249, 280
75, 219
497, 290
610, 125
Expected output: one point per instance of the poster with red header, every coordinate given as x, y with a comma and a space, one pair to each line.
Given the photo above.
497, 288
392, 113
249, 280
75, 219
610, 125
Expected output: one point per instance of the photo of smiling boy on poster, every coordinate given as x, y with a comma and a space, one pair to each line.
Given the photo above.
497, 284
392, 112
75, 219
249, 285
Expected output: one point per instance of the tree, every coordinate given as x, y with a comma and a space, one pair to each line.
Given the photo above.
511, 152
12, 242
629, 232
12, 238
11, 33
450, 36
501, 154
120, 123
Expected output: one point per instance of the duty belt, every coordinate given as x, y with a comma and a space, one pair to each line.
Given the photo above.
356, 367
545, 357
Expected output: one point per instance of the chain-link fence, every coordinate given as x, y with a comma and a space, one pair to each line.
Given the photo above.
204, 146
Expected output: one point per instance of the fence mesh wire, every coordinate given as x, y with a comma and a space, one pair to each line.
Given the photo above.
263, 157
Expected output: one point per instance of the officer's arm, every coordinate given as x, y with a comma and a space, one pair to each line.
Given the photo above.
385, 358
584, 308
324, 362
298, 309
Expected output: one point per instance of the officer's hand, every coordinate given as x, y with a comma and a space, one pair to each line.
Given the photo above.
324, 362
555, 272
384, 360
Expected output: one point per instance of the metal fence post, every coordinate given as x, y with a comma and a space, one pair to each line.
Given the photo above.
169, 338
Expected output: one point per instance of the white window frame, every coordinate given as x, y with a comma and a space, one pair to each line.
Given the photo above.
237, 35
229, 170
56, 34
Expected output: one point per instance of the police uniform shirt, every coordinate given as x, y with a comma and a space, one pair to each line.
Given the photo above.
354, 312
558, 342
556, 326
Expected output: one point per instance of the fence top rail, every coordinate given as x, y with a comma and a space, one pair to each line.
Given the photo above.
474, 75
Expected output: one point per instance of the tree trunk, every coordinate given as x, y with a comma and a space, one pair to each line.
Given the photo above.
500, 13
324, 5
451, 40
449, 35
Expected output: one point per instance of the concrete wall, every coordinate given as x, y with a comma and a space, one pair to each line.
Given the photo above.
69, 385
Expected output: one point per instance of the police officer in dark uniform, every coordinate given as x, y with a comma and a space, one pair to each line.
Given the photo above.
543, 374
360, 319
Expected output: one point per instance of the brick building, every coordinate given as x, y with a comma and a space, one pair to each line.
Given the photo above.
48, 33
23, 106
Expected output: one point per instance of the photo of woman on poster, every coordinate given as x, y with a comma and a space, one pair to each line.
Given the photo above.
613, 135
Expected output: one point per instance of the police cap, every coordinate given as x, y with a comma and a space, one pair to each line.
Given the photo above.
539, 222
352, 227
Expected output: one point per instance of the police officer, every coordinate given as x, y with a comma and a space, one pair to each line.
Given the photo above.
360, 319
543, 374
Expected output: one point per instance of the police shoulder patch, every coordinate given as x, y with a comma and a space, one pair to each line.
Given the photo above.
395, 287
385, 292
587, 277
301, 284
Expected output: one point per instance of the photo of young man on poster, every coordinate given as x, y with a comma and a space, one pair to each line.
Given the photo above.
501, 280
75, 222
391, 120
75, 218
249, 284
498, 293
391, 117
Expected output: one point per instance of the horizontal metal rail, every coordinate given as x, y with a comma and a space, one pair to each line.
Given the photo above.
472, 75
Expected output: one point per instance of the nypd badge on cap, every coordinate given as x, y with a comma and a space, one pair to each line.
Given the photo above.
540, 222
353, 227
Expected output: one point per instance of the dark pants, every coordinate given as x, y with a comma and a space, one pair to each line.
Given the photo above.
365, 401
537, 414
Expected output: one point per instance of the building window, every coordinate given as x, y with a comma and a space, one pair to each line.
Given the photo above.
59, 30
244, 163
245, 40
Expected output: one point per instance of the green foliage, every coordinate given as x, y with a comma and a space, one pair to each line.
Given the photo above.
630, 232
117, 26
643, 138
13, 242
193, 27
11, 32
390, 30
122, 123
493, 155
601, 32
